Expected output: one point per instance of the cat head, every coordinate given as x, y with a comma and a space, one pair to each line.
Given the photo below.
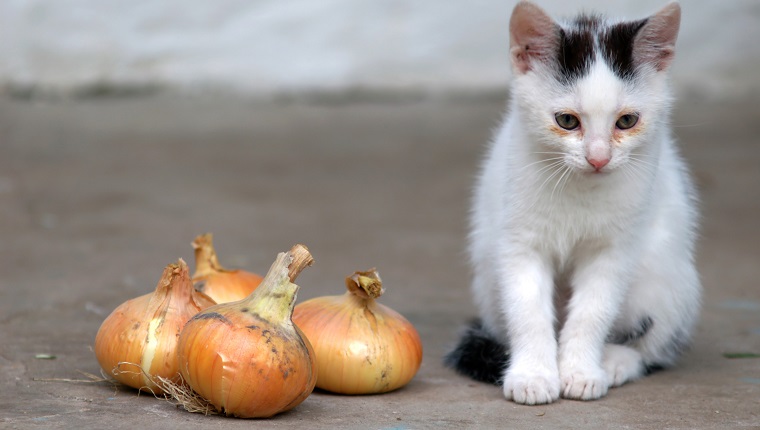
593, 90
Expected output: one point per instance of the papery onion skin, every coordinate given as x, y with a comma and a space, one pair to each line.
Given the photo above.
137, 342
247, 358
362, 346
211, 278
254, 371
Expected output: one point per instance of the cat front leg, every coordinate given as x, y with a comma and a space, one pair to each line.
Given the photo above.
532, 376
599, 287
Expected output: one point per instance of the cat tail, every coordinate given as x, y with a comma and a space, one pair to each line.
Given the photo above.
478, 355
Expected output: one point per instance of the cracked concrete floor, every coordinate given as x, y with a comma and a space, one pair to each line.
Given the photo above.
98, 195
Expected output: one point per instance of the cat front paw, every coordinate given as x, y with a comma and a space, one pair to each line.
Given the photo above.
622, 364
530, 388
584, 384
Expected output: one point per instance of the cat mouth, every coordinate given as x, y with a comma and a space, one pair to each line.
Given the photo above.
596, 172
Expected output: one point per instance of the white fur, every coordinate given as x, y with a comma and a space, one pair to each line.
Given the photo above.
623, 238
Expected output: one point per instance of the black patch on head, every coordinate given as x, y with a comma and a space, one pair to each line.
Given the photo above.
576, 48
588, 22
578, 45
617, 47
212, 316
632, 335
479, 355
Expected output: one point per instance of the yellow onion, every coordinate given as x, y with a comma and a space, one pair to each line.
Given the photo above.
247, 358
137, 342
222, 285
362, 346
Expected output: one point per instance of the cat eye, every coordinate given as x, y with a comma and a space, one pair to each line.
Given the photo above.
567, 121
627, 121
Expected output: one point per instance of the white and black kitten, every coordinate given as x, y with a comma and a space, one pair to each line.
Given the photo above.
584, 217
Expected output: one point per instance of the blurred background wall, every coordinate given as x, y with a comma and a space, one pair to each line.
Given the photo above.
268, 47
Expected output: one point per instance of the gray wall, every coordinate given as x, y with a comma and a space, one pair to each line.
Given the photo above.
266, 47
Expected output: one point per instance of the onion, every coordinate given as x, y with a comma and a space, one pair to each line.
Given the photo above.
137, 342
222, 285
247, 358
362, 346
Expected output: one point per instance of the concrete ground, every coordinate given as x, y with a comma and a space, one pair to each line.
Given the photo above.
98, 195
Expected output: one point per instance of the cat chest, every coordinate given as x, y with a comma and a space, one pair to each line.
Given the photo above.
560, 227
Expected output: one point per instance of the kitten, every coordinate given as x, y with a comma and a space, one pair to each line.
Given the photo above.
584, 218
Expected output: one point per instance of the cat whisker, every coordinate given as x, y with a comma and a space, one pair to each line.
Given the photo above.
548, 167
644, 158
552, 170
628, 172
554, 173
540, 161
644, 154
639, 170
567, 180
637, 158
697, 124
566, 170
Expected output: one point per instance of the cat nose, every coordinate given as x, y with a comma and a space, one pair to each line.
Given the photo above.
598, 163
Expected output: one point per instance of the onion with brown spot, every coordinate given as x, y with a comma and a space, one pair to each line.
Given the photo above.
247, 358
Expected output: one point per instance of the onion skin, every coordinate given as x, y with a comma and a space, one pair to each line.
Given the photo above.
222, 285
247, 358
137, 342
253, 370
362, 347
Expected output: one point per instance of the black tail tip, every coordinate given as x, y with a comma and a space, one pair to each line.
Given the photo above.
478, 355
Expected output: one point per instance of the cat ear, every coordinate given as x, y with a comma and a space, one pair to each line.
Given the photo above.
655, 43
533, 36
